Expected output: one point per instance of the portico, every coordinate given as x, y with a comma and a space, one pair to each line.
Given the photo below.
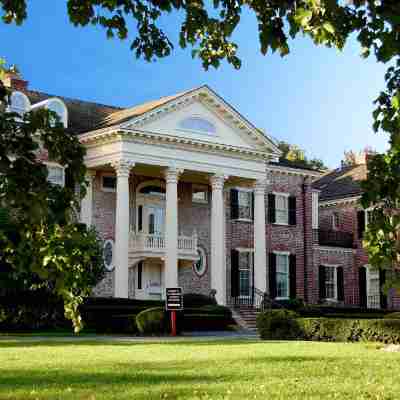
157, 230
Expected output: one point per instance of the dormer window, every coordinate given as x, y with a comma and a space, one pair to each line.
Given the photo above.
19, 103
57, 106
198, 125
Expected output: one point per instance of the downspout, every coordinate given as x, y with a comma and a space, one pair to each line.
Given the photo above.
305, 242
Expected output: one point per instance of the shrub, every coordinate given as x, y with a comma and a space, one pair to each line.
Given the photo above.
210, 317
278, 324
351, 330
151, 321
393, 315
197, 300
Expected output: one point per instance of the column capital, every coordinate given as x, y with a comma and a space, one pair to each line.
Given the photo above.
171, 174
123, 167
217, 181
260, 186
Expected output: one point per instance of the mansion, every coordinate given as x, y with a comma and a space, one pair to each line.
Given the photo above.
185, 191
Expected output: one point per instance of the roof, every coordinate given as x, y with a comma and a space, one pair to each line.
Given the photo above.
342, 182
83, 116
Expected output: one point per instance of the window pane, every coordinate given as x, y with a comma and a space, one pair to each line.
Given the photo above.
55, 175
282, 209
244, 282
330, 284
109, 182
282, 275
200, 196
244, 198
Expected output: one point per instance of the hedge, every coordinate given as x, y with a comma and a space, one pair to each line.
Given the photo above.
283, 324
350, 330
152, 321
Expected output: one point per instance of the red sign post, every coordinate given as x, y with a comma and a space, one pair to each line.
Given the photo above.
173, 303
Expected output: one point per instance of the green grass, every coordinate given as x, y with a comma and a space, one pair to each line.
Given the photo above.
231, 369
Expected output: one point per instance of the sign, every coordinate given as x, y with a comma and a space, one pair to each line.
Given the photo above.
174, 299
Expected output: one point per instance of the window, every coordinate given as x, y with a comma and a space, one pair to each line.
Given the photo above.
245, 268
335, 221
245, 204
139, 275
315, 210
200, 194
56, 175
330, 283
151, 224
108, 183
153, 190
198, 124
282, 209
140, 218
282, 276
108, 255
200, 266
19, 103
56, 105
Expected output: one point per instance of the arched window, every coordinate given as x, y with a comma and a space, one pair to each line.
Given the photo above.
198, 124
200, 266
19, 103
56, 105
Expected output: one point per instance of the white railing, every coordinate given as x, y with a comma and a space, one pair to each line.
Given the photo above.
155, 243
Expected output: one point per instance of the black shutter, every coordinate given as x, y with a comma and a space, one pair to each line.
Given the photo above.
292, 210
139, 274
340, 283
361, 223
234, 273
322, 289
234, 204
362, 285
292, 276
271, 208
140, 218
252, 206
382, 281
272, 275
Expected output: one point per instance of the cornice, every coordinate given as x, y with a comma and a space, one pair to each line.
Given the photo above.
112, 136
292, 171
343, 201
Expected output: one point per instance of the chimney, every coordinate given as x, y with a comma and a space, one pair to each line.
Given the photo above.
13, 80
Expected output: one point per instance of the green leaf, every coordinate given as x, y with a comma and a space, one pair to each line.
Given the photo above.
329, 27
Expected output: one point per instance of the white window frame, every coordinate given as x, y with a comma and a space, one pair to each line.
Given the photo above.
204, 188
335, 267
198, 131
315, 210
335, 226
281, 194
204, 266
287, 255
366, 211
106, 189
247, 190
251, 267
56, 165
369, 274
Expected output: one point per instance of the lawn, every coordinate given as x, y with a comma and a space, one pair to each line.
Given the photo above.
232, 369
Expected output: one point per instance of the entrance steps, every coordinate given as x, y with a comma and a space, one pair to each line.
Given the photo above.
245, 317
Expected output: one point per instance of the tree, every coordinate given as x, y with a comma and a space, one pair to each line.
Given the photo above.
208, 28
295, 155
41, 244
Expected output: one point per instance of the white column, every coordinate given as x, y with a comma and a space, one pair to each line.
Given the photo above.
171, 228
260, 251
122, 169
218, 261
87, 201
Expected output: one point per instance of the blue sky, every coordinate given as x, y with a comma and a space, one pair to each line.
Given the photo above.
318, 98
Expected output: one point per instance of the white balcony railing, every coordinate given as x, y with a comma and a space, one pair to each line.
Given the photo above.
155, 244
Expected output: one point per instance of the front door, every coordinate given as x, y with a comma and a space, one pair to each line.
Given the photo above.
155, 220
245, 274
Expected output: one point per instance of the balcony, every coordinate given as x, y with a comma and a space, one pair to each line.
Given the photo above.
143, 245
335, 238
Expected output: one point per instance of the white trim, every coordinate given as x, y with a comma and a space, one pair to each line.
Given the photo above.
293, 171
244, 250
46, 103
281, 253
286, 254
328, 203
284, 194
335, 266
335, 249
105, 189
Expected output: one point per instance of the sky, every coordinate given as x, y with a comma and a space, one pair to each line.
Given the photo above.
318, 98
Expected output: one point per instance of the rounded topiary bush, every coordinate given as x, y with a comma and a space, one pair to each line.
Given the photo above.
151, 321
278, 324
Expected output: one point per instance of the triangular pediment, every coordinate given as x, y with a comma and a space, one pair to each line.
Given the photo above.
201, 115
